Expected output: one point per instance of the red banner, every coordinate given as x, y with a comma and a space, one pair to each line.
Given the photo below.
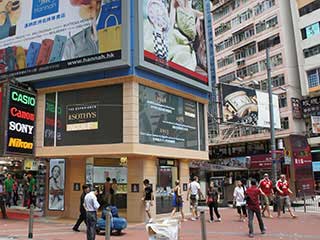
263, 161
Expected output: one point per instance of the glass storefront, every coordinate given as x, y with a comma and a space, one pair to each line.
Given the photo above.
168, 173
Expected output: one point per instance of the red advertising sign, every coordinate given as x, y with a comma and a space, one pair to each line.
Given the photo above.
263, 161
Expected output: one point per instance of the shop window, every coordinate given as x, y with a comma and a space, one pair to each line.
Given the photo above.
167, 175
84, 117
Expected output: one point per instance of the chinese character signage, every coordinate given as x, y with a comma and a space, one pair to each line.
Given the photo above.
47, 35
248, 106
310, 107
174, 38
296, 108
21, 122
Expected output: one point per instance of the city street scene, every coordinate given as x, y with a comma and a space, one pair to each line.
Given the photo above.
159, 119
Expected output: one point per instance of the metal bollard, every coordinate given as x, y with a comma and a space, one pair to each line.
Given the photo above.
108, 222
304, 203
30, 231
203, 226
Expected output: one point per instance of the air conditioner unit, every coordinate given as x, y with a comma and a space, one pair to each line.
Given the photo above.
241, 62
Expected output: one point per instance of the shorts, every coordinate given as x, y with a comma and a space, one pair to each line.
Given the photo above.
147, 205
194, 201
284, 201
266, 200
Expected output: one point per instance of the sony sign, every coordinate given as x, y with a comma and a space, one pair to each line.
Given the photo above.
20, 126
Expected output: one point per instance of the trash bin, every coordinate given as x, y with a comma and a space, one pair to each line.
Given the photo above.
167, 230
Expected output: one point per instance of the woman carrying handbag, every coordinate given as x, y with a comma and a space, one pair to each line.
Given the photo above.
212, 202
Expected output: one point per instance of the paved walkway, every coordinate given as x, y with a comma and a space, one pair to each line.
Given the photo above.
306, 226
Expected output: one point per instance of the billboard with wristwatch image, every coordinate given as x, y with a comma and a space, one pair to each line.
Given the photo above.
174, 39
248, 106
38, 36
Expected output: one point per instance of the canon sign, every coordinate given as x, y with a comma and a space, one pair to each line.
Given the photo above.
21, 122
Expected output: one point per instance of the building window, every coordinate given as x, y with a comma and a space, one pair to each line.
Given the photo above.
223, 28
243, 35
309, 8
245, 51
313, 77
274, 61
227, 77
311, 30
277, 81
263, 6
266, 24
226, 61
309, 52
284, 123
248, 70
269, 42
242, 17
283, 100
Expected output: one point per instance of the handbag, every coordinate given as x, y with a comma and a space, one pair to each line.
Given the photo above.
58, 47
110, 37
5, 27
111, 7
81, 44
209, 200
44, 52
32, 54
21, 58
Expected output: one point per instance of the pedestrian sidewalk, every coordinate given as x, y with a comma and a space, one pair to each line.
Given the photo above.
306, 226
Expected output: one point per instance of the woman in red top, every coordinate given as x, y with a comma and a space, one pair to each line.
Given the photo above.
284, 191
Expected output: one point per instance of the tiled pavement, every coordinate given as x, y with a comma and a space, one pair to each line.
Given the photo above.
306, 226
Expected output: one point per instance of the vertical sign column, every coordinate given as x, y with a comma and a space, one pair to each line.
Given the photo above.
21, 122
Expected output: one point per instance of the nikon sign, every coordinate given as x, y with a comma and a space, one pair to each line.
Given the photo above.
20, 126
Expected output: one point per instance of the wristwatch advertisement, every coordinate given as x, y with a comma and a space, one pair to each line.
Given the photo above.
159, 18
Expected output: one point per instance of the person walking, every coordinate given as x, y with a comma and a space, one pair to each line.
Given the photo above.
8, 188
91, 206
107, 187
266, 187
15, 190
31, 190
177, 202
148, 198
3, 201
284, 191
212, 202
252, 197
82, 217
239, 201
195, 193
113, 191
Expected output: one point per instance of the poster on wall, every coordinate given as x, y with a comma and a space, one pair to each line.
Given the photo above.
46, 35
315, 122
82, 117
20, 127
56, 184
248, 106
174, 37
167, 120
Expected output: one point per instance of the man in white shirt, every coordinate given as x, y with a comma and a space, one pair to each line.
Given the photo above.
195, 192
91, 205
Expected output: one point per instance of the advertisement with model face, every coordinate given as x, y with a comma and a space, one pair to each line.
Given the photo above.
48, 35
56, 184
248, 106
174, 37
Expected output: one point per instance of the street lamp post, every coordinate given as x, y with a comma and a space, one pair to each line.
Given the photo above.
272, 130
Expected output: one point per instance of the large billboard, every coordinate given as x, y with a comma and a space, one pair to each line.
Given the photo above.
47, 36
174, 39
20, 124
248, 106
169, 120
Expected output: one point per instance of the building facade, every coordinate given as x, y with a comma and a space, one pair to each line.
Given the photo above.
120, 93
243, 29
306, 20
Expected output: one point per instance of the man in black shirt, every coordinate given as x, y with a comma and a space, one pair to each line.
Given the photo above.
82, 217
147, 198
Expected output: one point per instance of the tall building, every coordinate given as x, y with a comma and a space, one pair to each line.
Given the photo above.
306, 20
243, 29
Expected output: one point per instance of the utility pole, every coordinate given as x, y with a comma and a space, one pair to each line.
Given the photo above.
272, 130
